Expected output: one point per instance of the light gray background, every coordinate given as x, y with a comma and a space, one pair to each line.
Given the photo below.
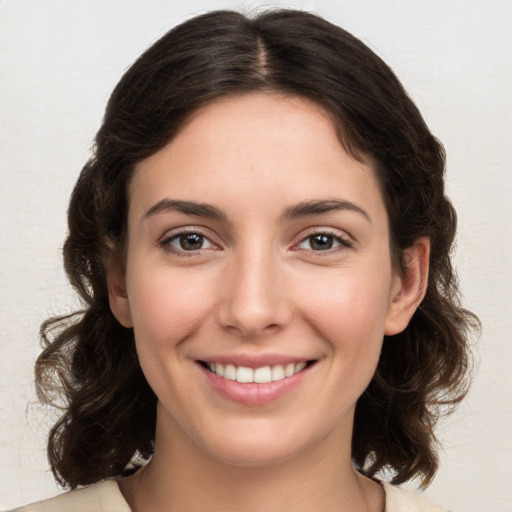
59, 60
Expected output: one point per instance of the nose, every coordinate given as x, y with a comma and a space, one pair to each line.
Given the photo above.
253, 299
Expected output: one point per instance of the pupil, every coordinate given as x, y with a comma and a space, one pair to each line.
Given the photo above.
321, 242
191, 241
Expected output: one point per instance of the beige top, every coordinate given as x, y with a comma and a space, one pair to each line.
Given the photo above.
106, 497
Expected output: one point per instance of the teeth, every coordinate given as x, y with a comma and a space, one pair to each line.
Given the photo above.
230, 372
288, 371
261, 375
244, 374
299, 367
278, 372
219, 369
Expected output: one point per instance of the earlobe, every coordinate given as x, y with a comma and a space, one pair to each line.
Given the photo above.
409, 287
118, 298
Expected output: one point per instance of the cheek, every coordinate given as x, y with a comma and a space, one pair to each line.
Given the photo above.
167, 309
349, 314
167, 306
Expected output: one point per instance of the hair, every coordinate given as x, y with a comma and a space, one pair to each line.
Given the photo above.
89, 364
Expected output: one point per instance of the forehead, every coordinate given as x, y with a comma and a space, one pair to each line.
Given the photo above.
249, 147
254, 123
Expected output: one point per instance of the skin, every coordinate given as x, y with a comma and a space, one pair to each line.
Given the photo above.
255, 283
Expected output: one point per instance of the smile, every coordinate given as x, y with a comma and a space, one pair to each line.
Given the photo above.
262, 375
256, 381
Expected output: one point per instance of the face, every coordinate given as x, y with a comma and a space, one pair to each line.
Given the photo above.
258, 280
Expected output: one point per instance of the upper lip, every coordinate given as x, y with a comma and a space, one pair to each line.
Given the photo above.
255, 361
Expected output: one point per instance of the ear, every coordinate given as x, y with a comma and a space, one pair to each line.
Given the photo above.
117, 296
409, 287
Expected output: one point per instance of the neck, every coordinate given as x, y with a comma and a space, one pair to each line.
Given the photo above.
181, 477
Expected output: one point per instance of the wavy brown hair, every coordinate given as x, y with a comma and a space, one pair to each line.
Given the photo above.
89, 363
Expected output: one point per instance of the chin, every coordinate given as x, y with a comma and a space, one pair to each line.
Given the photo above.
257, 444
252, 454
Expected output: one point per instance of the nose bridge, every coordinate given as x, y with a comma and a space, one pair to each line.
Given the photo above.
253, 300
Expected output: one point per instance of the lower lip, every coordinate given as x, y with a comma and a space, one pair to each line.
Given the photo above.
253, 393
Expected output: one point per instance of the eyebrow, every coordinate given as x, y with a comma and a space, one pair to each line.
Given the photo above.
187, 207
303, 209
317, 207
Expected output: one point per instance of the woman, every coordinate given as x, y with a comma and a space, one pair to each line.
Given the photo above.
261, 241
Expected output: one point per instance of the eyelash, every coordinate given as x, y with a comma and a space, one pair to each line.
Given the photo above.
343, 243
166, 243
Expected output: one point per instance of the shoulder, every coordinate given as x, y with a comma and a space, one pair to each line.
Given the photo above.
402, 500
101, 497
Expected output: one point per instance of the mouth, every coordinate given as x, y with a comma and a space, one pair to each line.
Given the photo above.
261, 375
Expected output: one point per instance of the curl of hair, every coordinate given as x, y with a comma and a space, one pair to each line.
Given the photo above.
89, 363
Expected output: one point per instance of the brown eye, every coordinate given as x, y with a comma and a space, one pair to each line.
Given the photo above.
186, 242
319, 242
190, 241
323, 242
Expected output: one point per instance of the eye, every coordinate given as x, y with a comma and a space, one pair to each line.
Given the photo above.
323, 242
186, 242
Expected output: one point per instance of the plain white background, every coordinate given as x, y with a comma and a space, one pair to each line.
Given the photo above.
59, 60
